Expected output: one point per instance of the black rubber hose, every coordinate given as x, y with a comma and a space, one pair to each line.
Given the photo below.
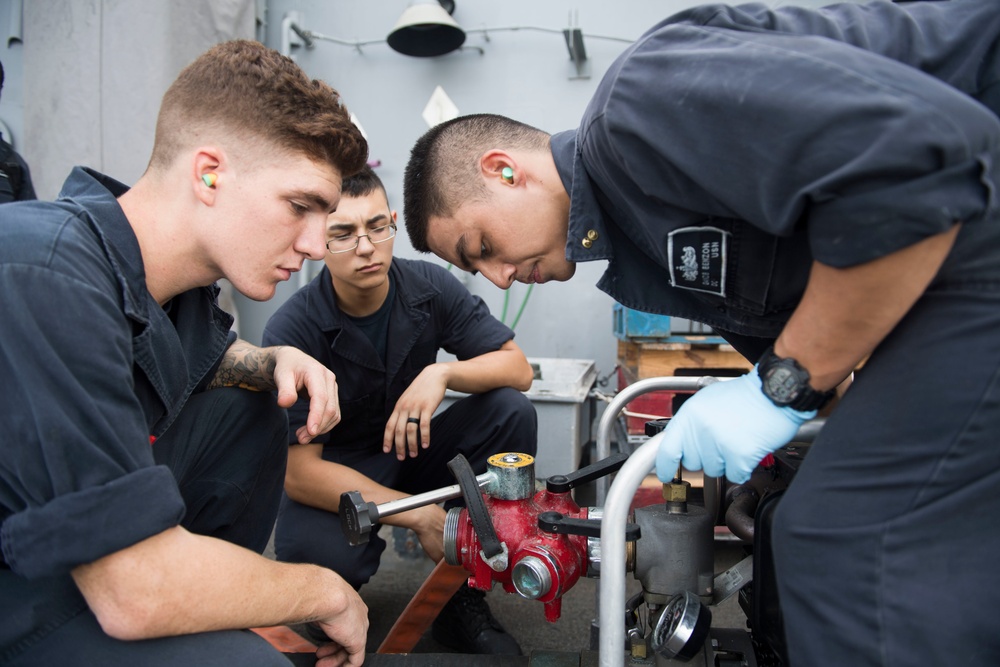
474, 503
740, 515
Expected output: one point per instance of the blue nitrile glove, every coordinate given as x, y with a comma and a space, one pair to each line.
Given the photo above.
727, 427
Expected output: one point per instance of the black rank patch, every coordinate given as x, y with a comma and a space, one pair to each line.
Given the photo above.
698, 259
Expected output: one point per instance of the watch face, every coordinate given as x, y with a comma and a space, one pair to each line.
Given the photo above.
782, 384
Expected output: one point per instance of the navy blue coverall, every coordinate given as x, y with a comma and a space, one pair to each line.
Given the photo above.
92, 367
723, 153
431, 310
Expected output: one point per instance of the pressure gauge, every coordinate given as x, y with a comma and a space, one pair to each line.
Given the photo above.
683, 627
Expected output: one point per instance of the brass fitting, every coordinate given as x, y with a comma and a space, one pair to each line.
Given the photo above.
676, 491
638, 650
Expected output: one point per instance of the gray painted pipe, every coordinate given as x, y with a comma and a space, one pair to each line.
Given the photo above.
623, 398
611, 587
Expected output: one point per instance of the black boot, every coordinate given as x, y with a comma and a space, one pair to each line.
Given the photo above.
467, 625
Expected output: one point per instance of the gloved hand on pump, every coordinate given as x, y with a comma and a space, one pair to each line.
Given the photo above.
727, 428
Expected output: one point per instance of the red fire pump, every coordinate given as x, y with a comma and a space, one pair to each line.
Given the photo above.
535, 544
538, 543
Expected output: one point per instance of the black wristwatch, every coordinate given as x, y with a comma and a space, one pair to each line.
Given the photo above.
786, 383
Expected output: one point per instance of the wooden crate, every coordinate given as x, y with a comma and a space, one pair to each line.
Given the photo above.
640, 361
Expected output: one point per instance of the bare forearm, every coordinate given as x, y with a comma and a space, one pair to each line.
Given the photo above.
845, 313
178, 583
319, 483
507, 367
247, 366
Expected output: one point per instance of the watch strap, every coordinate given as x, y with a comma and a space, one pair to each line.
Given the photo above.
806, 398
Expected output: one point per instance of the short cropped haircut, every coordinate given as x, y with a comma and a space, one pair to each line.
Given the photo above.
362, 184
443, 170
245, 91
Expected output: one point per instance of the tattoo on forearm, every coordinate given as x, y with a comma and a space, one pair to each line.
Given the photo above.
246, 366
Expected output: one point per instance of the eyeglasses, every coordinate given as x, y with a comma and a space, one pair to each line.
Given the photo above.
348, 242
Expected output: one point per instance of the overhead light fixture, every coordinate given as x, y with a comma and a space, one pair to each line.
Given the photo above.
426, 29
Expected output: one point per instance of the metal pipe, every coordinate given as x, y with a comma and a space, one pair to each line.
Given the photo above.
308, 36
15, 24
611, 588
487, 31
446, 493
357, 44
286, 29
623, 398
303, 34
603, 446
806, 433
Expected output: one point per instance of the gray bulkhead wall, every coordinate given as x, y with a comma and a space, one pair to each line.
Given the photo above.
525, 74
93, 72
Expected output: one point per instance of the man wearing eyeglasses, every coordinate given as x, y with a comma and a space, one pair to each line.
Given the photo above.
378, 324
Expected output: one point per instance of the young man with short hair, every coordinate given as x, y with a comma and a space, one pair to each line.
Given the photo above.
378, 322
820, 187
140, 478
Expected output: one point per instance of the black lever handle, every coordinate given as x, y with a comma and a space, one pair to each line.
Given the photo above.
563, 483
555, 522
479, 515
357, 517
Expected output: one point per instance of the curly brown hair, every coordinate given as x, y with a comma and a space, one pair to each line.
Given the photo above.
244, 90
